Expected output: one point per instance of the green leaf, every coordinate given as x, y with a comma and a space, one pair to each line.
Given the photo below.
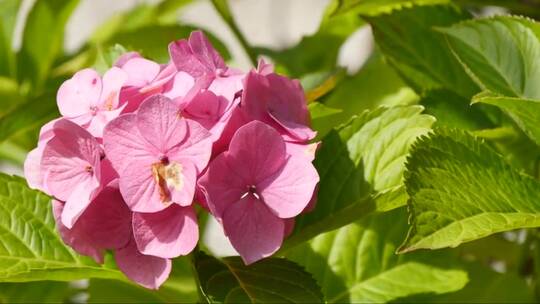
322, 117
420, 54
461, 190
30, 248
524, 112
361, 166
455, 111
272, 280
8, 16
28, 116
512, 70
358, 264
179, 288
375, 7
35, 292
106, 58
43, 38
152, 40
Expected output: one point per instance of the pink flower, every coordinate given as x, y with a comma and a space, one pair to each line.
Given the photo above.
254, 187
71, 168
157, 154
146, 78
91, 101
32, 164
197, 57
107, 225
279, 102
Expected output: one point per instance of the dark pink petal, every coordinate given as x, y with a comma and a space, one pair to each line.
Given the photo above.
160, 123
77, 95
196, 56
124, 145
146, 270
107, 220
221, 186
168, 234
254, 231
257, 151
76, 238
289, 190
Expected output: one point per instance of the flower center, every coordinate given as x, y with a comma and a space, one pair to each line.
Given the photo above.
167, 175
251, 190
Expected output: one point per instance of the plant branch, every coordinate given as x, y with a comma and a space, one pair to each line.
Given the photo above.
222, 7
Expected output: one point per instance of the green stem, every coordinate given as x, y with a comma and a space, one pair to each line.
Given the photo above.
222, 7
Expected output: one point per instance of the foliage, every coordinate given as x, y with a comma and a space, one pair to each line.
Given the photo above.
429, 162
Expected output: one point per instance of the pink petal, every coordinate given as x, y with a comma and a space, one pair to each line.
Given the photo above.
124, 145
78, 201
98, 121
180, 85
113, 80
70, 159
77, 95
306, 151
32, 169
168, 234
196, 56
196, 147
140, 72
160, 123
227, 87
139, 189
221, 186
289, 190
257, 151
107, 220
146, 270
253, 230
211, 111
188, 177
125, 58
76, 238
264, 68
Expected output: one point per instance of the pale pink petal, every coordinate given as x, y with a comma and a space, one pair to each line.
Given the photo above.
157, 85
140, 72
196, 147
98, 121
254, 231
78, 200
257, 151
124, 145
180, 85
183, 192
32, 169
289, 190
139, 189
107, 220
227, 87
146, 270
168, 234
160, 123
264, 68
77, 95
70, 158
113, 80
306, 151
76, 238
296, 131
221, 186
125, 58
211, 111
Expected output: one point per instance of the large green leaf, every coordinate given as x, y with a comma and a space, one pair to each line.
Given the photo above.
419, 53
43, 38
35, 292
501, 53
525, 112
375, 7
30, 248
273, 280
461, 190
361, 168
8, 14
358, 264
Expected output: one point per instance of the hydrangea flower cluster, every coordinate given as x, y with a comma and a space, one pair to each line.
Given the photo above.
136, 148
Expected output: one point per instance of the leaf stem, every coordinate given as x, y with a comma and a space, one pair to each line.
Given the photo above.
222, 7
